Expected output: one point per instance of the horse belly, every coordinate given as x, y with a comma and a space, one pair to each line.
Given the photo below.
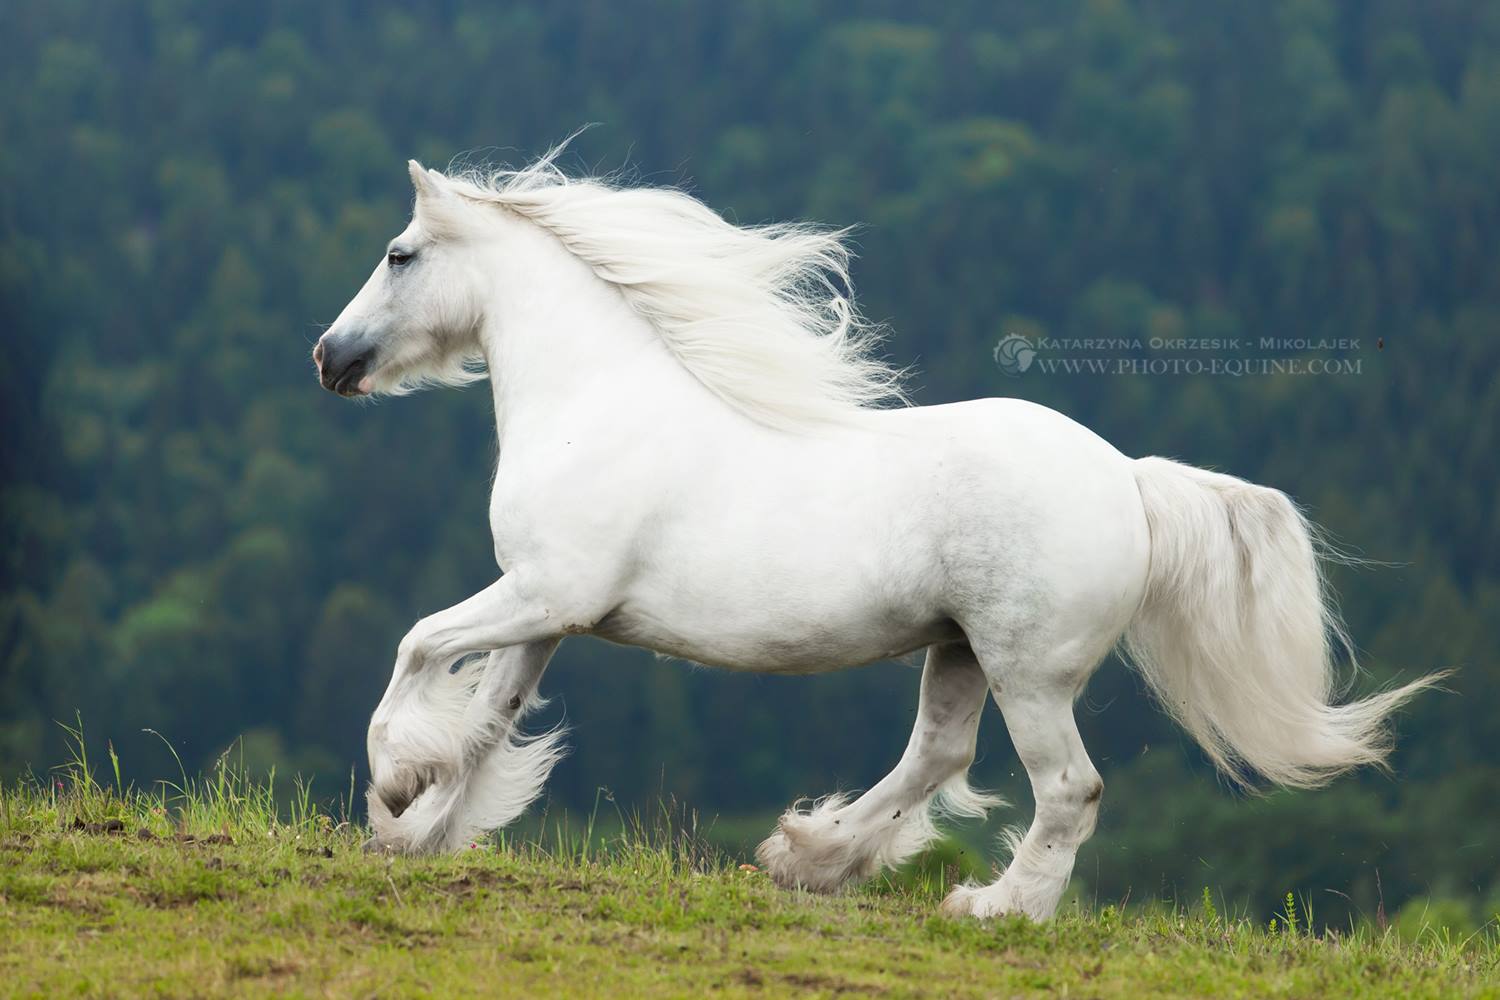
775, 623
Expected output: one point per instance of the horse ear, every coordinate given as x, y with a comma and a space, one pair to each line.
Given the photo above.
425, 181
436, 204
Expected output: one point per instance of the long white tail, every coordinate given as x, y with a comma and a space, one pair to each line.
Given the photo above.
1235, 633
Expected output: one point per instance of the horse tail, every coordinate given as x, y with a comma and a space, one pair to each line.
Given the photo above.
1236, 634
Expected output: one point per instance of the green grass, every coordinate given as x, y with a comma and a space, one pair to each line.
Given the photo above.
205, 887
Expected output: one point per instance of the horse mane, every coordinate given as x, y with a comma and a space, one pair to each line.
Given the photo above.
758, 314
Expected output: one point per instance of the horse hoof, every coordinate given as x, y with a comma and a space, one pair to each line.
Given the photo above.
960, 902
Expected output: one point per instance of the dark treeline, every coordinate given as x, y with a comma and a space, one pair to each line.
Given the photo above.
199, 540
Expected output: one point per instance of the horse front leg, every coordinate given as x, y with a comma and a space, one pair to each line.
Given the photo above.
452, 764
436, 729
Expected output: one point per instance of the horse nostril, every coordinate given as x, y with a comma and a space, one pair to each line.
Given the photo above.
341, 367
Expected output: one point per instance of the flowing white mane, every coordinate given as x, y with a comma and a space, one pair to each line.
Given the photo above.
755, 313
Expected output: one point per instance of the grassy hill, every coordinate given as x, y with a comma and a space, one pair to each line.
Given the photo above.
206, 888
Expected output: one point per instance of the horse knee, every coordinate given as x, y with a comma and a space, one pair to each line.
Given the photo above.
1082, 790
1093, 793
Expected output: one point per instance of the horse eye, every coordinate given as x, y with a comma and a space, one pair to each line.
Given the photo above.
397, 259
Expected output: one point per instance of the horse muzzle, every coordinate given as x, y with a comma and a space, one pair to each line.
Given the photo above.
344, 364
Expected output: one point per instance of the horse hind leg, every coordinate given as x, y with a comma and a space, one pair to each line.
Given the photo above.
1038, 710
838, 840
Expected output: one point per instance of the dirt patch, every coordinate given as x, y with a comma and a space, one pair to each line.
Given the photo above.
110, 827
168, 899
86, 894
749, 977
830, 984
473, 881
779, 981
213, 839
263, 968
80, 902
274, 878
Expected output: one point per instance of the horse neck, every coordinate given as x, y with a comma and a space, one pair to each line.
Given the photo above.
558, 340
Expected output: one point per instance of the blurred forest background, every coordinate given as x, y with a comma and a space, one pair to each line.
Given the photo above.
199, 540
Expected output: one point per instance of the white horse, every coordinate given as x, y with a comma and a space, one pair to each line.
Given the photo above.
691, 460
